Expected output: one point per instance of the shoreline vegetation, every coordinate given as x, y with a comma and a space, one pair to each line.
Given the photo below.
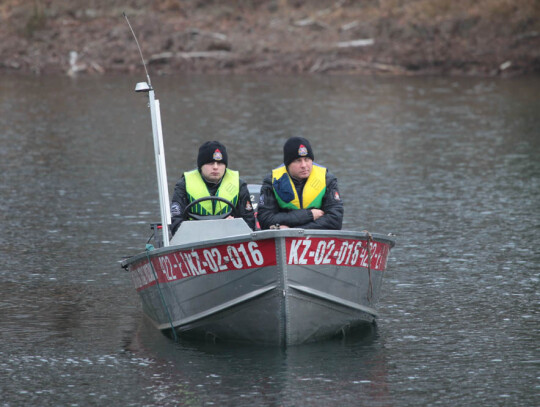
382, 37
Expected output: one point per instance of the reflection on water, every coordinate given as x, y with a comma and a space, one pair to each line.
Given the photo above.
275, 376
451, 166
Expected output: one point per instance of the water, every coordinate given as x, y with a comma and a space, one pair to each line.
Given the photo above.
451, 166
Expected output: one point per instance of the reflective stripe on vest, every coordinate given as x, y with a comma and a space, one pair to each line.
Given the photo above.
228, 189
313, 192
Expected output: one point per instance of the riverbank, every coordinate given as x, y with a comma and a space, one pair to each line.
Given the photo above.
396, 37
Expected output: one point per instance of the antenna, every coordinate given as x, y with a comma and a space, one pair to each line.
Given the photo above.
159, 151
140, 52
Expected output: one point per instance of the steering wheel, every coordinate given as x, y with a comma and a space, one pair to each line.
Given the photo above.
189, 214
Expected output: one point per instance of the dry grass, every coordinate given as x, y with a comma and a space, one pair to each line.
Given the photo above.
518, 15
410, 33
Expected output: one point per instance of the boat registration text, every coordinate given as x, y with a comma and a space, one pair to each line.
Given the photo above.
189, 263
337, 252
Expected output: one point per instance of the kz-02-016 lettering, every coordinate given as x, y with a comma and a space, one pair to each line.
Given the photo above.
182, 264
338, 252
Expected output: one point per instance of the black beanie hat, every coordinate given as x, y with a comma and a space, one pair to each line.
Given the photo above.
296, 147
212, 151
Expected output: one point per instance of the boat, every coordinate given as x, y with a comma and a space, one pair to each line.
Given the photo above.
220, 280
217, 279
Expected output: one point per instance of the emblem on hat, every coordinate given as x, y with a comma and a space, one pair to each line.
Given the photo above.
217, 155
302, 150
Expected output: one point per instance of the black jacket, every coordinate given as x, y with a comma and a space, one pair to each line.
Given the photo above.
269, 213
180, 201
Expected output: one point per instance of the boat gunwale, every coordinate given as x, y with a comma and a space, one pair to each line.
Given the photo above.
260, 235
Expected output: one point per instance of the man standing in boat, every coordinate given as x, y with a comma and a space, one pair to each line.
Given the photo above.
211, 178
300, 193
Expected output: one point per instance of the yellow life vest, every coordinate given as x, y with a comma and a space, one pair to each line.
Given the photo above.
313, 192
228, 189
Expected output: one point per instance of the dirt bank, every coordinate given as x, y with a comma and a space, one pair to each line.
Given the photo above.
410, 37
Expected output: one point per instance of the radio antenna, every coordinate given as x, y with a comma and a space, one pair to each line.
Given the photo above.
140, 52
159, 151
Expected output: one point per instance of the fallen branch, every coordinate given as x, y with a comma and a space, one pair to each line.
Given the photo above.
321, 66
166, 56
312, 21
356, 43
205, 54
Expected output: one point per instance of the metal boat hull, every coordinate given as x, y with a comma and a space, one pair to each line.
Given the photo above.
282, 287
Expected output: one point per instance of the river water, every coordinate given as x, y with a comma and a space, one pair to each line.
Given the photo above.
450, 166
